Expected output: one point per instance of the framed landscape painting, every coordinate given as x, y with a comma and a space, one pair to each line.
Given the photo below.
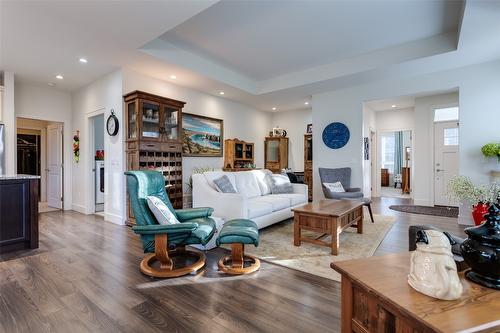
202, 136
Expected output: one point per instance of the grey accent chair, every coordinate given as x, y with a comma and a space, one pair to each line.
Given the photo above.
343, 175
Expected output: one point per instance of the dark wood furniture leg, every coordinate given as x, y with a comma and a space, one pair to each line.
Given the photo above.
369, 205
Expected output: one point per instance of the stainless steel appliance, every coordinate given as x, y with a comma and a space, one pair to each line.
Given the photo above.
2, 149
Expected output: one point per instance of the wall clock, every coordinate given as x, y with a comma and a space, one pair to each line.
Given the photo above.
336, 135
112, 124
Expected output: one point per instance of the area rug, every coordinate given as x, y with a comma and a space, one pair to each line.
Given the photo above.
426, 210
276, 246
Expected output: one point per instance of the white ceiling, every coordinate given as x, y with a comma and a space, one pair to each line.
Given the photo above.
403, 102
264, 39
263, 54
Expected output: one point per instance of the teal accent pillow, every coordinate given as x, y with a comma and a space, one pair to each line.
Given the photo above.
224, 184
161, 211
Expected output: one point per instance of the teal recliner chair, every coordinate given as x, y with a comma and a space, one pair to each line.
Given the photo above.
196, 227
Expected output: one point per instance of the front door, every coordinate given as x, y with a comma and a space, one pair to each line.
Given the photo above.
445, 159
54, 166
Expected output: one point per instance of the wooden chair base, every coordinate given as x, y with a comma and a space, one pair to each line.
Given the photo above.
164, 258
238, 259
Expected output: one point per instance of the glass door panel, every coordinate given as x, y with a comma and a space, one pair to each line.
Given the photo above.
273, 150
171, 123
238, 150
248, 151
309, 149
132, 121
150, 120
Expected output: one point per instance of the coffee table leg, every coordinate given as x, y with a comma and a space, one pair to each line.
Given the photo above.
335, 236
360, 222
296, 230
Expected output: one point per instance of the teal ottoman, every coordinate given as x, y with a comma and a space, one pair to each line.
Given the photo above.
237, 233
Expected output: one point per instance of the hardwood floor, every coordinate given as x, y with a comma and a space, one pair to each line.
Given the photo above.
85, 278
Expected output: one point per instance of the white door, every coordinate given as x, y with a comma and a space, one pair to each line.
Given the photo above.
445, 159
54, 166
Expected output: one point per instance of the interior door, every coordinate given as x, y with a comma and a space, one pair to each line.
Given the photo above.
446, 144
54, 166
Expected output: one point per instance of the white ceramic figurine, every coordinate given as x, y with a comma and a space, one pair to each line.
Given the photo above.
433, 271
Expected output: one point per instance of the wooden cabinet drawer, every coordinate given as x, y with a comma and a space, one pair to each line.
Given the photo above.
168, 147
150, 146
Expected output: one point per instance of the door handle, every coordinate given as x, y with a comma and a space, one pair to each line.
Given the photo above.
438, 170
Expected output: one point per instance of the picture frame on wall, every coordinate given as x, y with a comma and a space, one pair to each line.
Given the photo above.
202, 136
309, 129
366, 145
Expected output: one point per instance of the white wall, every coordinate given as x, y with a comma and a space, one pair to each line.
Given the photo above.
479, 88
98, 132
295, 123
41, 102
9, 120
423, 155
240, 121
100, 97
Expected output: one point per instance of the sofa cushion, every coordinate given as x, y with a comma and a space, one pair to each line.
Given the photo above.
295, 198
246, 184
258, 208
210, 176
275, 201
263, 178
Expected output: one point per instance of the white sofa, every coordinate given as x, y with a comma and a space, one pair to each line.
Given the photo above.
253, 201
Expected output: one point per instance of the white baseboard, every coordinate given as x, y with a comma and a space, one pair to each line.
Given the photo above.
422, 202
79, 208
113, 218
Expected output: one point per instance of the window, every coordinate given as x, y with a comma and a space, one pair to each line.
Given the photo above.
388, 147
451, 136
446, 114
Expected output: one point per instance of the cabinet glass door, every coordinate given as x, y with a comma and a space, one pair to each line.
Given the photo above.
309, 149
238, 150
150, 120
272, 148
132, 121
171, 123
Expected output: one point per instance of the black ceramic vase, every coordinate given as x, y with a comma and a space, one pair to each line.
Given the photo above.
481, 250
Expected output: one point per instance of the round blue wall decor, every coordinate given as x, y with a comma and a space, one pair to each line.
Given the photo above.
336, 135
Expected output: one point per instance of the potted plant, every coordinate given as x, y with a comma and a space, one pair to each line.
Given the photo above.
461, 188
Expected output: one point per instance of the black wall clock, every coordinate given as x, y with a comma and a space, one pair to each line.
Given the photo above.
336, 135
112, 124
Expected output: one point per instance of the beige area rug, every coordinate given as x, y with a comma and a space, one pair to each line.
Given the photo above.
276, 246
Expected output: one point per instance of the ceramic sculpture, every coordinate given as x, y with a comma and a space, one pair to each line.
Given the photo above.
433, 271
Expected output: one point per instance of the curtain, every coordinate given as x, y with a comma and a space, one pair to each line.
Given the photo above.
398, 152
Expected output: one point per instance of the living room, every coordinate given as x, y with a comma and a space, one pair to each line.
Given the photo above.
257, 136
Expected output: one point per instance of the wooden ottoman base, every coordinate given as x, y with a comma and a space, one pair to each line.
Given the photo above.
235, 263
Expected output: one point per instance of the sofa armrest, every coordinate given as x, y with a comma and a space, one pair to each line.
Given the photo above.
299, 188
226, 205
193, 213
169, 229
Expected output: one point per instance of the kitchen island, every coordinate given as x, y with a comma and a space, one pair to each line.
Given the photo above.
18, 212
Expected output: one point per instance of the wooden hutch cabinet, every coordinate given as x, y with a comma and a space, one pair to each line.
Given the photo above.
276, 153
237, 154
308, 164
153, 127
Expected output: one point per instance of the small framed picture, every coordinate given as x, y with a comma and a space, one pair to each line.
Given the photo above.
309, 128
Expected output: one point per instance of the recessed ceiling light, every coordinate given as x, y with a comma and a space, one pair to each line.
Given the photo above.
51, 84
306, 103
173, 77
393, 106
221, 93
83, 60
59, 77
274, 108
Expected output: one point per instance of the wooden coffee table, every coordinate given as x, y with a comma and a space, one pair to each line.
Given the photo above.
327, 217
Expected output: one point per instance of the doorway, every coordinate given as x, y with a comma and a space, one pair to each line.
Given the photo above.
446, 147
40, 152
96, 126
396, 159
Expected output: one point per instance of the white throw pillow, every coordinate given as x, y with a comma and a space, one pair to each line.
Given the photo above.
160, 211
334, 187
246, 184
263, 179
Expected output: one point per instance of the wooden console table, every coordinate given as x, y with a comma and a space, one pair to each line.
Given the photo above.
377, 298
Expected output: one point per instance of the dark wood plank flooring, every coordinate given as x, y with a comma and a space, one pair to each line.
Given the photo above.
85, 278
